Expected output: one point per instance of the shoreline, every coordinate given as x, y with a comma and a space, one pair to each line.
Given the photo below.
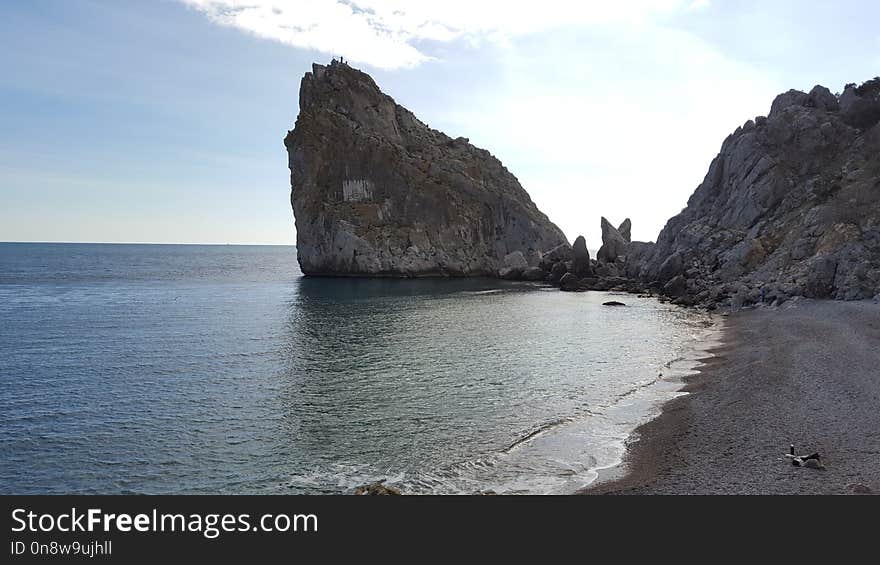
804, 373
683, 370
647, 446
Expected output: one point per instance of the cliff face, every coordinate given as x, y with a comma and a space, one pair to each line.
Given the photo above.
377, 192
790, 205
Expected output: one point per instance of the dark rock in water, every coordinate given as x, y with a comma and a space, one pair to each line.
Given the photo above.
790, 205
377, 192
534, 274
569, 282
580, 262
376, 489
613, 303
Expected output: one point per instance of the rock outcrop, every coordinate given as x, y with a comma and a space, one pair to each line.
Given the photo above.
580, 258
789, 207
614, 241
377, 192
625, 230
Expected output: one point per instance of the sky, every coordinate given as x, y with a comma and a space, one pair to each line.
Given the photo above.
162, 120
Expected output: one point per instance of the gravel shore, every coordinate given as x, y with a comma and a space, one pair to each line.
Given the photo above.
807, 373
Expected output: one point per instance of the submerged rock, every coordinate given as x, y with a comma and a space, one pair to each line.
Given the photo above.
377, 192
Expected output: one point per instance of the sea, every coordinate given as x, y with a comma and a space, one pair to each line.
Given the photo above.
173, 369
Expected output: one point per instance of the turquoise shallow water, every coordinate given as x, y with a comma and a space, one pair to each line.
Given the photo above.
219, 369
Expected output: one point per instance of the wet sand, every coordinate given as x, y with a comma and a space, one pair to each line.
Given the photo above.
807, 373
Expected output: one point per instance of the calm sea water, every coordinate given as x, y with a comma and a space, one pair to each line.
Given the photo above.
220, 369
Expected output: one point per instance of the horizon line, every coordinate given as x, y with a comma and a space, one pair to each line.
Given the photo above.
144, 243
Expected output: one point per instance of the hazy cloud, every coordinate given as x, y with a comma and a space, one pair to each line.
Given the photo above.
698, 5
388, 33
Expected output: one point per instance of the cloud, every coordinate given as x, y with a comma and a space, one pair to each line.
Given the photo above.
390, 34
613, 123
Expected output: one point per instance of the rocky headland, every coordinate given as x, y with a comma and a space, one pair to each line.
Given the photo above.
377, 192
789, 207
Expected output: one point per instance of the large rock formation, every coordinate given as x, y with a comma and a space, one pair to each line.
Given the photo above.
789, 207
614, 241
580, 262
377, 192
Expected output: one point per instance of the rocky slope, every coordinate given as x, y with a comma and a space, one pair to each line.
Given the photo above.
377, 192
789, 207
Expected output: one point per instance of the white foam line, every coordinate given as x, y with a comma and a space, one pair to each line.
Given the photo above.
683, 366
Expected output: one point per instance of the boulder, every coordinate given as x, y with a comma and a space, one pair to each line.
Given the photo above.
569, 282
510, 273
562, 252
557, 272
613, 303
820, 97
787, 100
671, 267
534, 274
676, 286
860, 106
515, 260
607, 270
